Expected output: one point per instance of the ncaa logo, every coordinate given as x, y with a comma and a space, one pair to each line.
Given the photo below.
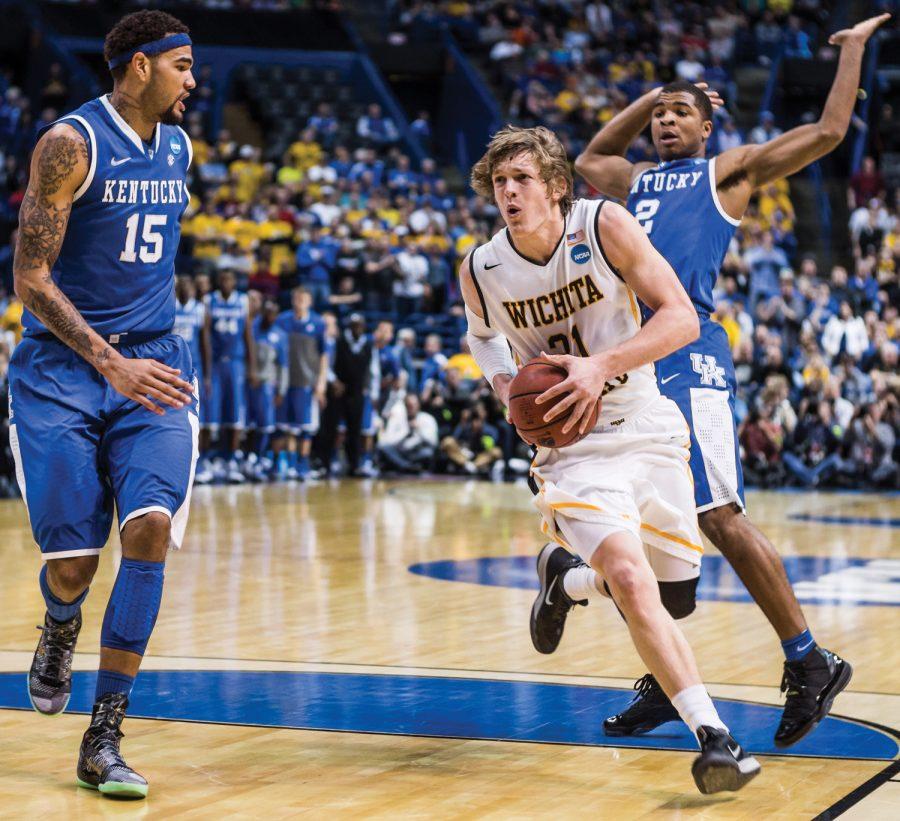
580, 254
175, 145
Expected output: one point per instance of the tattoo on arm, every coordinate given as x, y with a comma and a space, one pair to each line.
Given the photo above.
43, 218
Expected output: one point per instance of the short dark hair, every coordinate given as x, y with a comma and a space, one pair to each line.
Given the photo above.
700, 99
136, 29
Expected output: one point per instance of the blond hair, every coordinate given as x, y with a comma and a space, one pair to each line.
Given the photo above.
542, 145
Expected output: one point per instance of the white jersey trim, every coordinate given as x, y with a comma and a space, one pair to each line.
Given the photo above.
190, 146
93, 165
715, 195
126, 129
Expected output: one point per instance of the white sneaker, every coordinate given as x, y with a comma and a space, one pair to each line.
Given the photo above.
233, 472
203, 475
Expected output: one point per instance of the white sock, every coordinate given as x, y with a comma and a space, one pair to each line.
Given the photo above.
579, 583
696, 709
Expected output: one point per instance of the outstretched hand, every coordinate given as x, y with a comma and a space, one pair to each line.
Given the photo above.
860, 33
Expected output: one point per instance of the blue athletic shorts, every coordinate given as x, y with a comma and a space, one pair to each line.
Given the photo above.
700, 379
81, 448
261, 406
299, 413
228, 395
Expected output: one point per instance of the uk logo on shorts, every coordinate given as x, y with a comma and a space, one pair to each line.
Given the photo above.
710, 372
580, 254
175, 145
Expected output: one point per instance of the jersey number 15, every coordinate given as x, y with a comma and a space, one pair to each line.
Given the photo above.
152, 247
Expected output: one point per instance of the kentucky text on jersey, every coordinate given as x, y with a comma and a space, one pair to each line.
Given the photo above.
555, 306
117, 260
659, 182
144, 192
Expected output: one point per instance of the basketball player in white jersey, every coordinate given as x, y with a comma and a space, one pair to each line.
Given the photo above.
561, 282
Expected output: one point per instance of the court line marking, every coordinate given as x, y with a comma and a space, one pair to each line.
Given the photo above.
488, 676
305, 665
857, 521
459, 737
864, 790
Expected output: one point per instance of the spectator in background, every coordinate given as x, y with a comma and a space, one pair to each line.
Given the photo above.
761, 443
785, 311
870, 444
729, 136
766, 130
421, 127
845, 332
316, 258
865, 185
374, 129
433, 367
764, 262
324, 126
796, 40
404, 350
413, 274
473, 446
409, 440
816, 440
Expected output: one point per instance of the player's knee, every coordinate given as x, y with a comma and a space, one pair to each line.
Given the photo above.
679, 598
147, 537
69, 577
718, 523
627, 584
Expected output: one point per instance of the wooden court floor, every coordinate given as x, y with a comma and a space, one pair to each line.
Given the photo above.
361, 649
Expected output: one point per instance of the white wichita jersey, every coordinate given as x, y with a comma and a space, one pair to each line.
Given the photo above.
575, 304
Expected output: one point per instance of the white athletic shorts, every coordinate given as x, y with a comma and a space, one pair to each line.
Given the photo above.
633, 477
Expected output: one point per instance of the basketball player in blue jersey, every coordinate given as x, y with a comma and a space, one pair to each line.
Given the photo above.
271, 348
190, 324
233, 368
690, 207
307, 381
103, 412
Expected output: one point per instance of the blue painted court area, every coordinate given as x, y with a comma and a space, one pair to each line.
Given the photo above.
443, 707
816, 579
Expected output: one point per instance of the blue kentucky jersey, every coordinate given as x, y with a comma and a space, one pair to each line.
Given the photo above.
189, 319
676, 203
228, 318
116, 263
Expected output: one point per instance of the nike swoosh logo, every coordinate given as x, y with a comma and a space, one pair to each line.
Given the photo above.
547, 600
114, 161
735, 751
495, 265
669, 378
804, 647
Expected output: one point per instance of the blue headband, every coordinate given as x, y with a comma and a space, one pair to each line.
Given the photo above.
151, 49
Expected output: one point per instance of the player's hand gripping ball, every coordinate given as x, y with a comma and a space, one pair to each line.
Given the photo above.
530, 382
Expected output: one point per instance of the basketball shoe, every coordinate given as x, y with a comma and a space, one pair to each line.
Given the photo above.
723, 765
552, 605
50, 676
100, 763
649, 708
811, 684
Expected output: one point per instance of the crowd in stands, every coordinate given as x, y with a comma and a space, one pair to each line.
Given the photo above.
346, 242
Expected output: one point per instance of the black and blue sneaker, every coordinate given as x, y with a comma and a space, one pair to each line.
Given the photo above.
648, 708
100, 763
723, 765
552, 605
50, 676
811, 685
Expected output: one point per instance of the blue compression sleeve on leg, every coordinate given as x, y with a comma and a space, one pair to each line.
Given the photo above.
133, 606
797, 647
58, 609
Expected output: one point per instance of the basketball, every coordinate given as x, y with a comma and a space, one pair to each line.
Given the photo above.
531, 381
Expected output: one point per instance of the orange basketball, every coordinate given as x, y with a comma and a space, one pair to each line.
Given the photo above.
531, 381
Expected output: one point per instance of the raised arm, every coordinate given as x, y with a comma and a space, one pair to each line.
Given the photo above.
741, 170
489, 348
603, 162
59, 166
673, 325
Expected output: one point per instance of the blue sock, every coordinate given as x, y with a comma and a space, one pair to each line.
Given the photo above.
292, 458
282, 461
59, 610
133, 606
263, 445
303, 464
109, 681
797, 647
